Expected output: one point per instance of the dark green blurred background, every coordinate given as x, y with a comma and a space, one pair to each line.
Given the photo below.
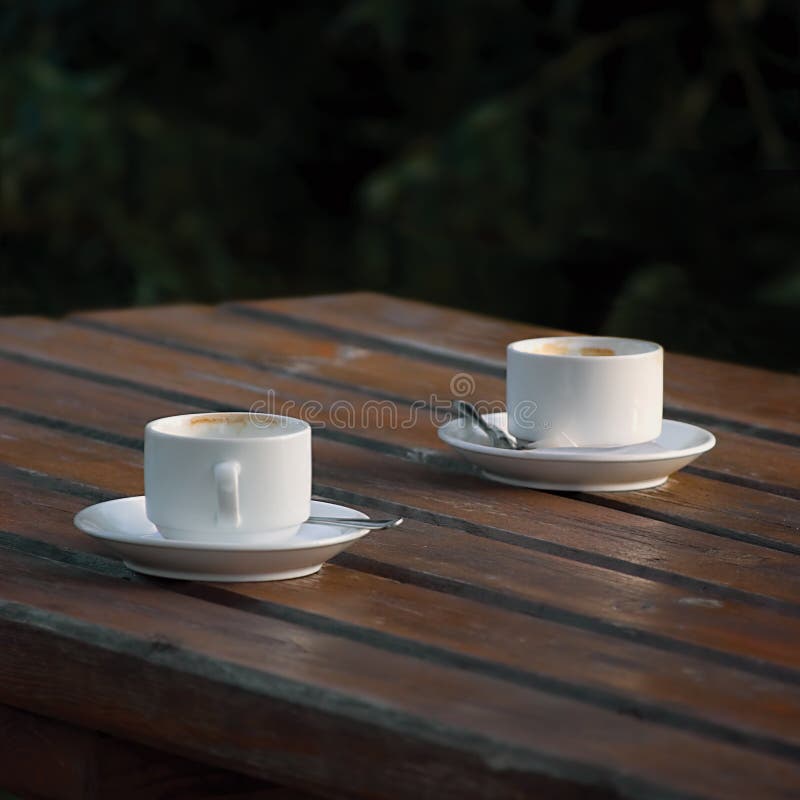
630, 172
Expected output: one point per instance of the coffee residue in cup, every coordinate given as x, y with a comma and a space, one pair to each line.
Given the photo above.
556, 349
219, 420
552, 349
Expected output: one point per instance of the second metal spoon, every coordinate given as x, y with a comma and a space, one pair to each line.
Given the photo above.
356, 522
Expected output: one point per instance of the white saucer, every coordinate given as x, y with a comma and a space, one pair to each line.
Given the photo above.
584, 469
123, 525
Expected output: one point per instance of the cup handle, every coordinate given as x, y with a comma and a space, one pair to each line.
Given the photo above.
226, 474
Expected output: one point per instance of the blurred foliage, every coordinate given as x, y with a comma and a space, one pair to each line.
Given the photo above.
627, 168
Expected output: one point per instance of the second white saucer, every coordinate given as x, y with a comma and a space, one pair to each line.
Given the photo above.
585, 469
124, 527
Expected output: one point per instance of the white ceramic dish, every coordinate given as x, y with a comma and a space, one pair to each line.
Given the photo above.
583, 469
124, 527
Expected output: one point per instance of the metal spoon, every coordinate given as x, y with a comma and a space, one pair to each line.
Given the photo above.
497, 437
355, 522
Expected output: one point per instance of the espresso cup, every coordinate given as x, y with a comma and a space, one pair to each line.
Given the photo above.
584, 391
227, 477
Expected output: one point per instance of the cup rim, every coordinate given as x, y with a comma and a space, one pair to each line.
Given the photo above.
160, 427
649, 347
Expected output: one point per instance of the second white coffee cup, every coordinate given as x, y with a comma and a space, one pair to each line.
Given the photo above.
228, 477
584, 391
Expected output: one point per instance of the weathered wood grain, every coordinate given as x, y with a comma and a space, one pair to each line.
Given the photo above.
584, 645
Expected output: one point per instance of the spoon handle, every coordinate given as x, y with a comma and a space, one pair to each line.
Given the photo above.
497, 437
356, 522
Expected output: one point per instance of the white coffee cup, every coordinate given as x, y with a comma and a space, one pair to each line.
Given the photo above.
584, 391
228, 477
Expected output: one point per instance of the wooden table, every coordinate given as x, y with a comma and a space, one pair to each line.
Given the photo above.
503, 643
